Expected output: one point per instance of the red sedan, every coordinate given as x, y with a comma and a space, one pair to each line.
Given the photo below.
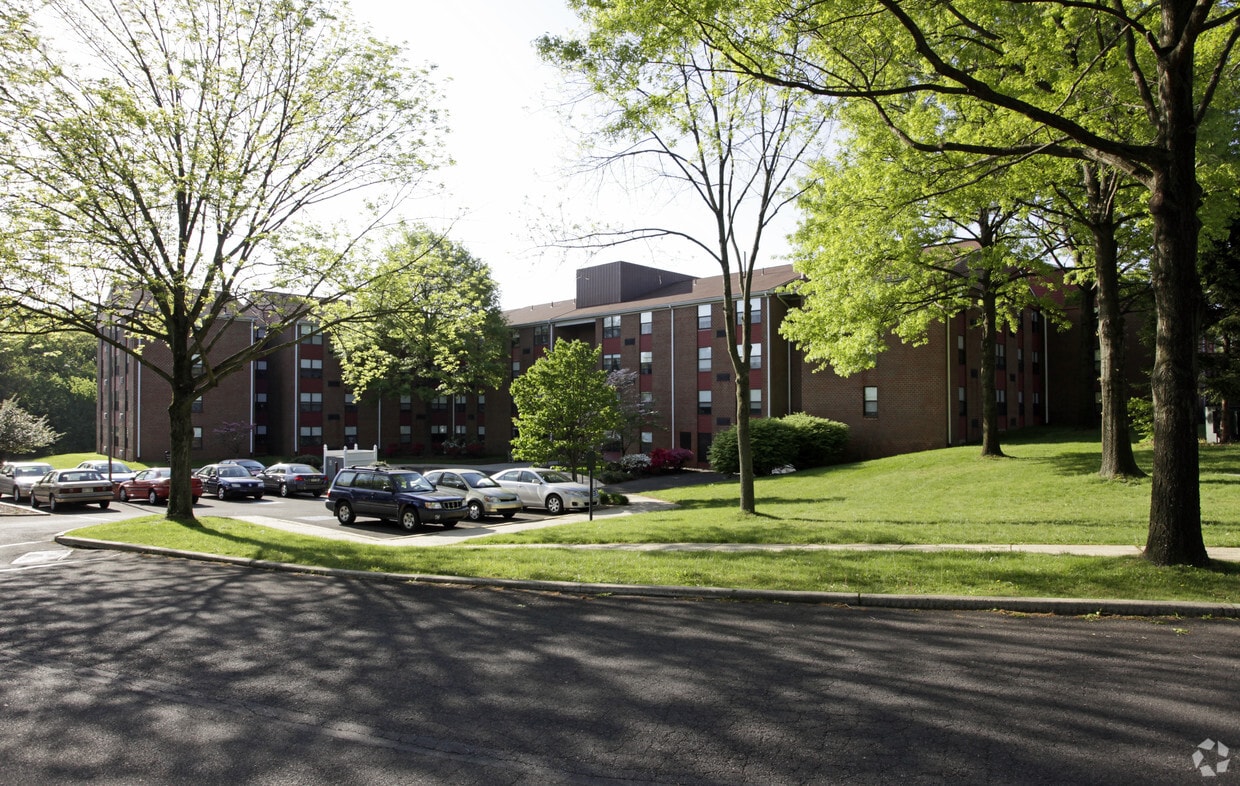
154, 485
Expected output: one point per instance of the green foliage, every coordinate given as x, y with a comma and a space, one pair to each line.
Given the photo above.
1141, 417
818, 441
53, 373
22, 433
313, 460
798, 439
612, 498
773, 442
565, 408
428, 321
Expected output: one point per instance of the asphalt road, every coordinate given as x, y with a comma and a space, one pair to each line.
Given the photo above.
119, 668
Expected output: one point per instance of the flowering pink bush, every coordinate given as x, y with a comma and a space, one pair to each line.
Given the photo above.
663, 460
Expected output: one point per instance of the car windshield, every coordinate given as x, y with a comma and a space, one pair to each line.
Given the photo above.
556, 477
479, 481
302, 468
411, 481
233, 471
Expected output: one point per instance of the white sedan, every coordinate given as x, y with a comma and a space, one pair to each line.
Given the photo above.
546, 488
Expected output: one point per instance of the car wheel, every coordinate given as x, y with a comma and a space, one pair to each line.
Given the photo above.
508, 514
17, 494
152, 498
283, 489
220, 493
104, 504
124, 495
475, 510
318, 493
51, 502
344, 513
34, 501
449, 525
259, 495
409, 520
194, 500
555, 505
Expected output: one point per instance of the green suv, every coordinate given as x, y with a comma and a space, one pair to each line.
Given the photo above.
392, 495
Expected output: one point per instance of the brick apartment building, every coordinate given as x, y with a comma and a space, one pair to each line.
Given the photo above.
669, 327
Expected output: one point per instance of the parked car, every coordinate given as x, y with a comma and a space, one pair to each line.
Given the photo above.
290, 479
392, 494
251, 466
17, 477
155, 484
539, 487
120, 472
483, 496
229, 480
76, 486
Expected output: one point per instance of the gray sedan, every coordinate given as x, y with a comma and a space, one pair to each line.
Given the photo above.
483, 495
289, 479
71, 487
17, 477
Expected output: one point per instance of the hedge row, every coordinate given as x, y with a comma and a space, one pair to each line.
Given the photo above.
799, 440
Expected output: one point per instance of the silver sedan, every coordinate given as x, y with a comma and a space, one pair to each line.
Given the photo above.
71, 487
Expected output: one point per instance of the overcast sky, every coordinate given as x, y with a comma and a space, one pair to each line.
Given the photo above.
512, 148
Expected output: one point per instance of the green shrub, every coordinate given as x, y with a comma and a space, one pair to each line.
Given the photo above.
612, 498
312, 460
819, 441
798, 439
1141, 417
771, 440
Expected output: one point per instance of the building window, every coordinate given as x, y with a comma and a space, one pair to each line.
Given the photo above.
704, 359
647, 363
311, 402
542, 335
197, 440
646, 397
870, 402
459, 403
196, 406
350, 402
1020, 358
406, 435
439, 404
350, 434
964, 406
308, 334
311, 368
755, 355
439, 433
755, 311
1000, 356
1036, 361
960, 355
704, 316
703, 402
1001, 401
482, 404
516, 368
647, 323
611, 327
611, 362
755, 402
310, 436
260, 401
482, 433
260, 431
647, 441
406, 403
260, 369
459, 432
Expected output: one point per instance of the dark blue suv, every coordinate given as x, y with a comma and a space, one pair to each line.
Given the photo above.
392, 494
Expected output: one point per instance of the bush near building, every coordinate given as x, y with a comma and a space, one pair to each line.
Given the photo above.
799, 440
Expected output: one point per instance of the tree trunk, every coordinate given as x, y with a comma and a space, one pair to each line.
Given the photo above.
990, 407
1175, 496
1117, 457
181, 438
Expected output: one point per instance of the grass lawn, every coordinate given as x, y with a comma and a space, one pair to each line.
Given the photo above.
1046, 492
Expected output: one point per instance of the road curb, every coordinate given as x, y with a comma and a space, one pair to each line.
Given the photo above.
1025, 605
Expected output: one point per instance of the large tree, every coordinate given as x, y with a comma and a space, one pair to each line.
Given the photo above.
565, 407
431, 322
168, 167
730, 143
1052, 63
53, 373
21, 432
